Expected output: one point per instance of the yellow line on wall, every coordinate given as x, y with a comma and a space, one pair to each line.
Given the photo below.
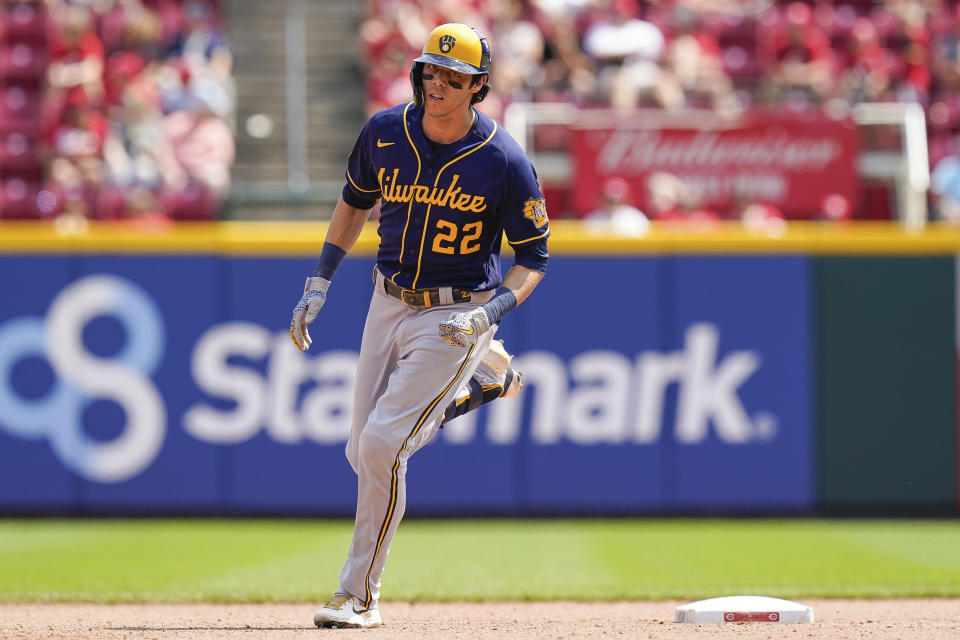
568, 237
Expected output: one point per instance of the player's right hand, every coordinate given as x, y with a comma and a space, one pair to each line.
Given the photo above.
314, 295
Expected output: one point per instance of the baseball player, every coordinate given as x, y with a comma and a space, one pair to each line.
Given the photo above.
451, 183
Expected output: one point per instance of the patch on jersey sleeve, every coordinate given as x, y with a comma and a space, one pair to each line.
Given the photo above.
536, 210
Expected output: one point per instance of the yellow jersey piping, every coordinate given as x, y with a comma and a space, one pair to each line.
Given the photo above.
403, 238
545, 233
426, 219
358, 188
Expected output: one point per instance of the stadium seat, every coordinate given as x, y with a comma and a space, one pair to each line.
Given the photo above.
842, 19
18, 199
20, 101
25, 20
193, 202
111, 203
18, 151
23, 60
738, 45
725, 26
741, 63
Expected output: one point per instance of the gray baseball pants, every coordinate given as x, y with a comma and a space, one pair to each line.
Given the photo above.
406, 377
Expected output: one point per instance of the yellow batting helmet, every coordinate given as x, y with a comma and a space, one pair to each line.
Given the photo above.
459, 47
455, 46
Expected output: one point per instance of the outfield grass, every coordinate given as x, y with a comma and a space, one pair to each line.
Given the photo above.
288, 560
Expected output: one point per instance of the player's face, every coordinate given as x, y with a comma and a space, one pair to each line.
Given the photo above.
446, 91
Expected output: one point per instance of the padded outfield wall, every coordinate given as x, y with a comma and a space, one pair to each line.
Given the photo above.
720, 372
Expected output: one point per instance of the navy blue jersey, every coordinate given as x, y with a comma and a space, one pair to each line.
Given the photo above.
444, 208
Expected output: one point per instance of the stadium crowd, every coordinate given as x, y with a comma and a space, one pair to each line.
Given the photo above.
114, 109
726, 55
118, 109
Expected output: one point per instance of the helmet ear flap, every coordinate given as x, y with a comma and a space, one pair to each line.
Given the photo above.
416, 81
484, 51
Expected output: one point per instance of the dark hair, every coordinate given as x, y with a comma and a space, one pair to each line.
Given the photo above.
484, 90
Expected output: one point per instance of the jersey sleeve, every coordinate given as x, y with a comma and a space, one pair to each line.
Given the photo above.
525, 220
362, 189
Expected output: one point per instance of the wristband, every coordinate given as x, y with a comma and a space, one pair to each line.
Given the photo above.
502, 301
330, 257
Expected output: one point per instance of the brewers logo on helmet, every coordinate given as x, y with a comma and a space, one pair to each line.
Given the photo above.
455, 46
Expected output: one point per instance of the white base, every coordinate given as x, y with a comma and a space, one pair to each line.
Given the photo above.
743, 609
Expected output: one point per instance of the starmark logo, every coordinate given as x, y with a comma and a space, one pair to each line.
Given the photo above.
446, 43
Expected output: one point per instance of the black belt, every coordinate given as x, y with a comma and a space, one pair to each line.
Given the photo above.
422, 298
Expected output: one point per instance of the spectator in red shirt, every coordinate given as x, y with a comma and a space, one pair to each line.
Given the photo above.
75, 146
914, 79
797, 58
388, 82
76, 54
121, 68
694, 61
130, 26
81, 130
762, 218
675, 202
870, 74
616, 214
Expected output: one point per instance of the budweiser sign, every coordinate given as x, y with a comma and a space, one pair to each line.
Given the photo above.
787, 161
646, 150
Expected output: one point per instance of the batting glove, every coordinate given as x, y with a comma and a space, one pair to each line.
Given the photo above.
314, 295
464, 329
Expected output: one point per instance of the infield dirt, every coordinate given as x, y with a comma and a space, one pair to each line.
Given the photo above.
934, 619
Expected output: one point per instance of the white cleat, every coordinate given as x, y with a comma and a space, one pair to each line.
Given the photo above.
495, 370
493, 379
346, 612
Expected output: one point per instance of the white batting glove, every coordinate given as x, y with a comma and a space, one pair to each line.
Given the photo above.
314, 295
465, 328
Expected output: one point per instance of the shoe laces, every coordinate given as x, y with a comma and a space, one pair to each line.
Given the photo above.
336, 602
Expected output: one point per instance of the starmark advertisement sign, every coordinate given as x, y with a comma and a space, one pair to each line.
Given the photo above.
122, 388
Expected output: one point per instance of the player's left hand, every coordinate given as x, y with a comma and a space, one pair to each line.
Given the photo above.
314, 295
465, 328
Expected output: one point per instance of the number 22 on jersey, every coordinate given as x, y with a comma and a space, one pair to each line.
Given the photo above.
450, 237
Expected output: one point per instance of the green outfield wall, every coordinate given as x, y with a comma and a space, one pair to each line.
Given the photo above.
885, 381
